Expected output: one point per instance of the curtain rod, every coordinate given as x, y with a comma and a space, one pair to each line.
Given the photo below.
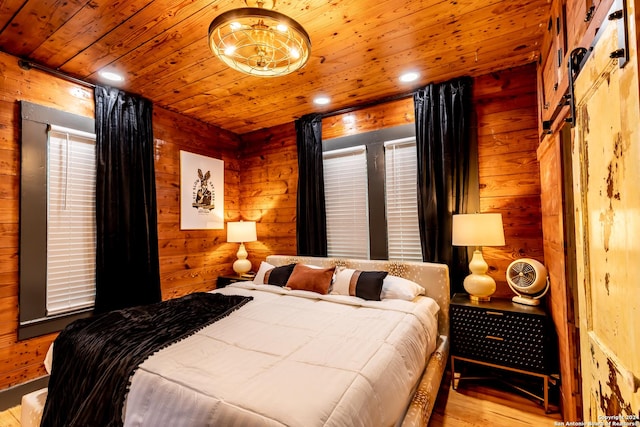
27, 65
368, 104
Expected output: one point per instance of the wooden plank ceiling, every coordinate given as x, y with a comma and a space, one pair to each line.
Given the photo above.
359, 49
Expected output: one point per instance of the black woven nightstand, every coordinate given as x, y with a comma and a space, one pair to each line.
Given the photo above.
504, 335
223, 281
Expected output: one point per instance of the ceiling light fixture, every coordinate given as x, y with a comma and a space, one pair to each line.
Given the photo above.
321, 100
259, 41
409, 77
111, 76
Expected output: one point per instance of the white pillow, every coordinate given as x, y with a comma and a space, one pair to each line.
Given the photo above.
400, 288
264, 267
341, 280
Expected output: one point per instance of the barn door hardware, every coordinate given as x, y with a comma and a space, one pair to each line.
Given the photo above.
578, 56
619, 15
590, 10
576, 61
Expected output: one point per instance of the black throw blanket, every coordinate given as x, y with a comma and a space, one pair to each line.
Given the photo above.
95, 358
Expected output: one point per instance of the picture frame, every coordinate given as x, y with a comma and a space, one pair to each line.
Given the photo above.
201, 192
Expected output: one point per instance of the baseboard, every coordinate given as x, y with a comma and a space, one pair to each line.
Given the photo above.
13, 395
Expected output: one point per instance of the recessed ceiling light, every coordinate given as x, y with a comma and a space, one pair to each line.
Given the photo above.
321, 100
110, 75
409, 77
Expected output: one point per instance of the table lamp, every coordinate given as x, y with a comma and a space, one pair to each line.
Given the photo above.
481, 229
241, 232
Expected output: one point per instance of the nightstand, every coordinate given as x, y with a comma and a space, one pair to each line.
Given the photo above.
504, 335
227, 280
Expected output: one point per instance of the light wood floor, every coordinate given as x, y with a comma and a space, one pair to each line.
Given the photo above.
473, 404
10, 417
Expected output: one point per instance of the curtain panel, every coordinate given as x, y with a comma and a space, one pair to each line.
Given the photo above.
444, 149
127, 265
311, 223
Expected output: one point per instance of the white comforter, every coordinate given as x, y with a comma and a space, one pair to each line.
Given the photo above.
289, 358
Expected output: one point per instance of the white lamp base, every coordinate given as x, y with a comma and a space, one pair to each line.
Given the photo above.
242, 265
479, 285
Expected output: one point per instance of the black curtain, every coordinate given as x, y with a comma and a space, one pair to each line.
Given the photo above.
311, 225
443, 138
127, 265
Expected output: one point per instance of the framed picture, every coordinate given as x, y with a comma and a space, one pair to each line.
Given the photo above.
201, 192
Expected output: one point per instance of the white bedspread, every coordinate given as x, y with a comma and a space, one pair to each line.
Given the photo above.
289, 358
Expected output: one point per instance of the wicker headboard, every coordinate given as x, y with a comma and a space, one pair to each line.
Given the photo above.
434, 278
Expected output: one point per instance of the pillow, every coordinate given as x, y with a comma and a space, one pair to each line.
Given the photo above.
308, 278
400, 288
264, 267
363, 284
278, 276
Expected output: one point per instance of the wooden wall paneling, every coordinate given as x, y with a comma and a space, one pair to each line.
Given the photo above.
505, 105
268, 190
190, 260
379, 116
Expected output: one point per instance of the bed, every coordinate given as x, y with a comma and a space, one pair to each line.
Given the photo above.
289, 356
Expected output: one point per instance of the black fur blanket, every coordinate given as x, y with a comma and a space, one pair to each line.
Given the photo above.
95, 358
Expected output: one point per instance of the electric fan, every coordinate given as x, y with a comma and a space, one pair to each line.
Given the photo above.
527, 278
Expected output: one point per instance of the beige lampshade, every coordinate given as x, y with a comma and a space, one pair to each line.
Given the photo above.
481, 229
241, 231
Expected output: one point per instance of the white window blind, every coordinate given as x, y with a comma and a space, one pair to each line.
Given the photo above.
71, 224
347, 203
402, 200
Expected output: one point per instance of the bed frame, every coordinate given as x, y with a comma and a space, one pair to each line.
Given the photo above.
434, 278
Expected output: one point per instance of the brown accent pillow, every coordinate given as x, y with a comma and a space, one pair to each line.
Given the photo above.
311, 279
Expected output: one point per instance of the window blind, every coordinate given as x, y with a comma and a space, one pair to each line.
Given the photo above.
347, 203
71, 225
401, 200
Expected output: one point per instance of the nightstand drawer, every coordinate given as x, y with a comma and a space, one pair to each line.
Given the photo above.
499, 337
504, 335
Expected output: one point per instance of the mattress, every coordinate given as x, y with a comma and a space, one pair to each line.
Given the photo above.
293, 358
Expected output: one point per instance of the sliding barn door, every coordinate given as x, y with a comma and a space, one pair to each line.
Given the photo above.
606, 164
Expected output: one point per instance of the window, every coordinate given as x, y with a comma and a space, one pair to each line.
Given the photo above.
71, 220
347, 204
401, 195
57, 219
371, 195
